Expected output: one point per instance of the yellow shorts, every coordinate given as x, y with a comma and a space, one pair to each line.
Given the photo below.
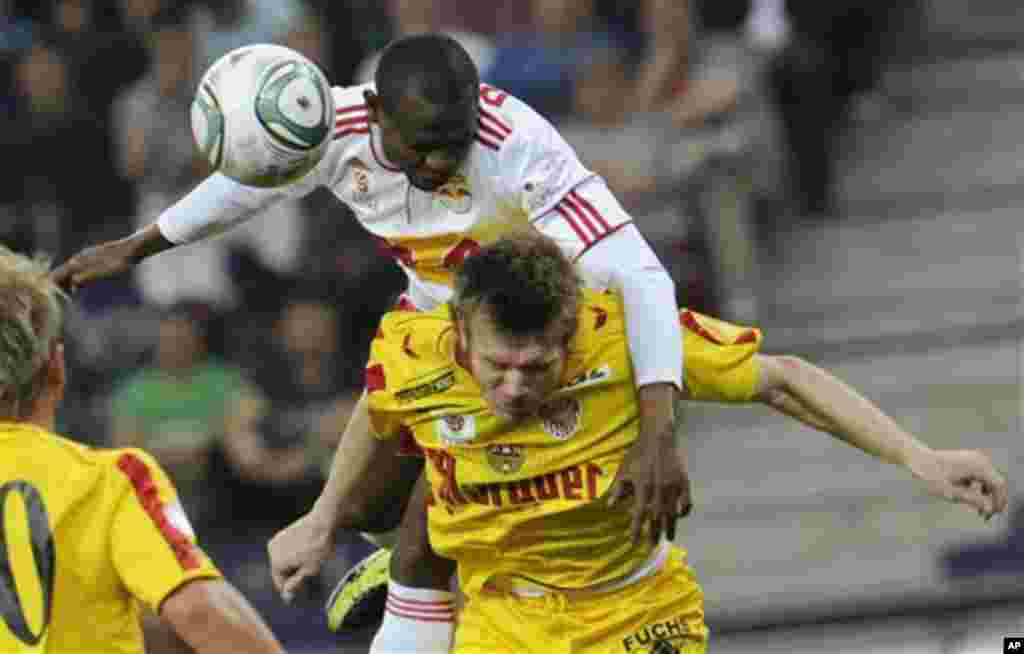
661, 614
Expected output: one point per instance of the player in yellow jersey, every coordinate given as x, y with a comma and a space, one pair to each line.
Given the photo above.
88, 536
520, 396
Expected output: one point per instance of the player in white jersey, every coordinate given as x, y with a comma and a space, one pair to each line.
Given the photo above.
436, 165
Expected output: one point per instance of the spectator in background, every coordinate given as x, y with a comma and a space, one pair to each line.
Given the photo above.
155, 148
223, 25
833, 56
56, 189
418, 17
656, 36
542, 65
102, 59
176, 407
300, 398
683, 153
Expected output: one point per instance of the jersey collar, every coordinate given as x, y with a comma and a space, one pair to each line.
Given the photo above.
378, 156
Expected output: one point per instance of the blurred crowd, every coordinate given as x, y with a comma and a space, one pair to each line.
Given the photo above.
237, 362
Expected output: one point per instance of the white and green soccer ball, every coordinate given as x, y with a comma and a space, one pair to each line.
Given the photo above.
263, 115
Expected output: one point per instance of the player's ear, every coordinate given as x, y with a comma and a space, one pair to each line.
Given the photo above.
372, 104
57, 373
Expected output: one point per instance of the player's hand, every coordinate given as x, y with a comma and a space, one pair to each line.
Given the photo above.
298, 551
963, 476
653, 476
99, 262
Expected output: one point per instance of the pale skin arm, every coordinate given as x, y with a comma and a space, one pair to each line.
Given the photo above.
367, 489
213, 617
668, 23
817, 398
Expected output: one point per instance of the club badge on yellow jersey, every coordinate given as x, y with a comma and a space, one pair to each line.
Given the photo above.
506, 459
456, 428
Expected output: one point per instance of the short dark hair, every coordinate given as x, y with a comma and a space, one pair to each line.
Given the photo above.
525, 280
432, 66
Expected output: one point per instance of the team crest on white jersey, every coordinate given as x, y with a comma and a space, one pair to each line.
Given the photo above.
456, 428
506, 459
361, 184
561, 417
454, 194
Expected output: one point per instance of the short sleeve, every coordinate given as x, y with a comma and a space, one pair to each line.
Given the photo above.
720, 359
153, 546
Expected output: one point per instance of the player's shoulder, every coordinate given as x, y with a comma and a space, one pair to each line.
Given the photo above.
52, 447
411, 349
601, 318
351, 113
134, 468
504, 120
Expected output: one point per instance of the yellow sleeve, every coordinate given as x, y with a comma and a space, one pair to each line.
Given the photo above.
385, 373
153, 546
719, 359
385, 420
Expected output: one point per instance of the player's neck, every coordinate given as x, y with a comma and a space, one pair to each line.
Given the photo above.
43, 412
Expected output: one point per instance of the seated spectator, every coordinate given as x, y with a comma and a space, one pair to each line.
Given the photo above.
176, 407
223, 25
416, 17
300, 398
541, 66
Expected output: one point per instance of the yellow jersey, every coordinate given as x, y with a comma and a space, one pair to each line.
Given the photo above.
85, 534
526, 500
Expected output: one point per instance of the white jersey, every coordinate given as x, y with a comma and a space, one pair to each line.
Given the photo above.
518, 169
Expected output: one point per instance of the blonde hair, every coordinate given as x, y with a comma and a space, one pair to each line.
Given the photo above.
31, 317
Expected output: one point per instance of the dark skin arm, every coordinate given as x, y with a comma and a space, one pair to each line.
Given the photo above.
653, 473
111, 258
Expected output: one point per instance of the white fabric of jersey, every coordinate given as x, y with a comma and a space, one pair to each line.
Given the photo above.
519, 171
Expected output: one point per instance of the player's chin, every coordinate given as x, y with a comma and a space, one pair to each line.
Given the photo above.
515, 413
425, 182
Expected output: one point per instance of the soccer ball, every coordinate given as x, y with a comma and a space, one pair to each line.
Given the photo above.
263, 115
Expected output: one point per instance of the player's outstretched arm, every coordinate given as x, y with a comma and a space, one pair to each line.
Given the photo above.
110, 259
367, 490
213, 617
818, 398
215, 205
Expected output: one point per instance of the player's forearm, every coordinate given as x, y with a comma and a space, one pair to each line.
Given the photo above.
369, 484
145, 243
213, 617
649, 300
216, 205
854, 418
656, 404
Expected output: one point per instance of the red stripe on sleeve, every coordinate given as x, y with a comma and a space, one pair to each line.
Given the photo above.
350, 109
487, 142
749, 336
572, 223
496, 122
375, 380
581, 217
348, 131
148, 494
590, 209
489, 131
689, 321
355, 120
